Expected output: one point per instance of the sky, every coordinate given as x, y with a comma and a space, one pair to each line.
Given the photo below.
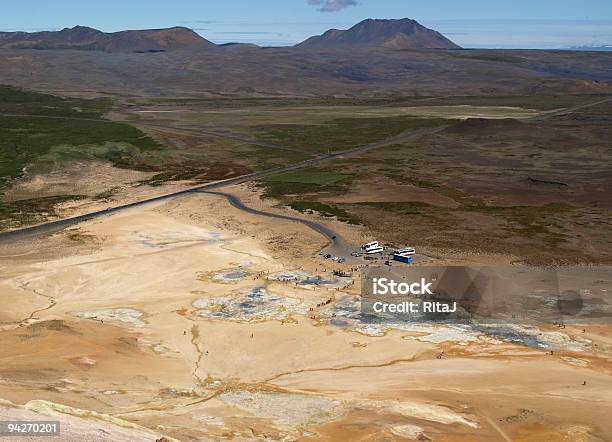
547, 24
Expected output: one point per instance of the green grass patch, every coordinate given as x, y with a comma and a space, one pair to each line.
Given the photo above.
174, 174
33, 142
527, 221
340, 133
22, 102
545, 222
40, 131
403, 208
300, 176
325, 210
260, 158
537, 234
436, 217
305, 181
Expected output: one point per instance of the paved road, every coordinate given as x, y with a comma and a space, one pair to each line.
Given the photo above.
336, 245
53, 226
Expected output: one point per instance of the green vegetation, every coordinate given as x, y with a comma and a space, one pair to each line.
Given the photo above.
543, 223
303, 181
43, 142
258, 157
15, 101
442, 189
312, 180
40, 131
175, 173
538, 234
407, 208
525, 221
30, 211
325, 210
304, 176
534, 222
534, 231
340, 133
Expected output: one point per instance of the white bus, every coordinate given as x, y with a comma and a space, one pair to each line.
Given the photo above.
374, 250
370, 245
405, 251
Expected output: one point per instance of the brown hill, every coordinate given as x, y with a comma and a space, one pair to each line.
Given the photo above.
370, 72
393, 34
85, 38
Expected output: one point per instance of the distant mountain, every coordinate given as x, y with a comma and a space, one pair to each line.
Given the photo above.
85, 38
238, 45
601, 48
393, 34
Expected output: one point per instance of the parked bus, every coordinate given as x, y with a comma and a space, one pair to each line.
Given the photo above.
370, 245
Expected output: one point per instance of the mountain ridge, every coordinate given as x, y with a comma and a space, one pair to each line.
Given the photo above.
388, 33
86, 38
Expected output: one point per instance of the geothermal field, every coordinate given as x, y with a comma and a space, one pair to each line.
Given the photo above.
191, 319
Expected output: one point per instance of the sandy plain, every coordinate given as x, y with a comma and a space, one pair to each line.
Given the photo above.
191, 320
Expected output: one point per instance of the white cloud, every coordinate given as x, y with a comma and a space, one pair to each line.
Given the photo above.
333, 5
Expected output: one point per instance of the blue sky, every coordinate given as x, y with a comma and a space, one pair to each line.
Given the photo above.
471, 23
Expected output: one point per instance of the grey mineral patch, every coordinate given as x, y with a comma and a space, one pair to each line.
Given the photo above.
254, 304
167, 238
305, 280
285, 408
288, 276
533, 336
348, 313
231, 275
125, 315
